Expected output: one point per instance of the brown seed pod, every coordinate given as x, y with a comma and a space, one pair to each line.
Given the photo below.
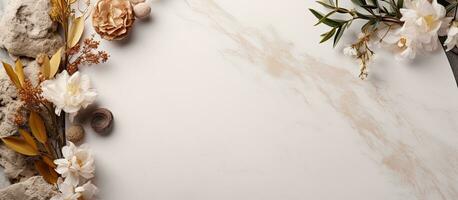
75, 133
102, 120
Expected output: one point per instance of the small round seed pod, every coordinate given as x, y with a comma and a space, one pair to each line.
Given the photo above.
75, 133
40, 59
102, 120
142, 10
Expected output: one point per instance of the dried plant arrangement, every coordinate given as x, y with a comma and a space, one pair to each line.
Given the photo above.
407, 27
60, 90
43, 101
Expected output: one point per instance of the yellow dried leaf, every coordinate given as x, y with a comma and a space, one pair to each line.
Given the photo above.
76, 31
46, 67
28, 138
55, 63
48, 161
47, 172
13, 76
38, 128
72, 1
20, 71
20, 145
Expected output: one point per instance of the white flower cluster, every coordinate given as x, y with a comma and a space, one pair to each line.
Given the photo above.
423, 22
77, 168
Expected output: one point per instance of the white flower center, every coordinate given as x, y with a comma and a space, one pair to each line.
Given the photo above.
73, 89
402, 43
429, 19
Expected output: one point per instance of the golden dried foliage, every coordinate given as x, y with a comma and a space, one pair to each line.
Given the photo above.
28, 138
60, 12
30, 95
19, 118
19, 68
12, 75
37, 125
86, 53
20, 145
48, 173
364, 53
54, 63
49, 161
76, 31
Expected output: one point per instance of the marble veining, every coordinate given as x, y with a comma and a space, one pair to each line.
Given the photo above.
417, 159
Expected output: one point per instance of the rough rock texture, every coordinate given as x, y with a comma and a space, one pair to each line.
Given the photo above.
34, 188
8, 105
32, 71
27, 29
9, 101
16, 167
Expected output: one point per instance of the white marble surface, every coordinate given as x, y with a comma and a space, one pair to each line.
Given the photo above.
219, 99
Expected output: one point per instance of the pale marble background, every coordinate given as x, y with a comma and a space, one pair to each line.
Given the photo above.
218, 99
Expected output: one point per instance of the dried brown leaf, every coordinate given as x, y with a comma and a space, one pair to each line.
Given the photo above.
48, 161
28, 138
19, 68
55, 63
13, 76
38, 128
46, 67
20, 145
46, 171
76, 31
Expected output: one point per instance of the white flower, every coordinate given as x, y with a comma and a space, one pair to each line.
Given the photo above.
427, 16
77, 162
405, 41
452, 37
69, 93
350, 51
69, 192
422, 22
87, 191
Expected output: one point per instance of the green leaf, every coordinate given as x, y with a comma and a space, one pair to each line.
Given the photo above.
328, 35
375, 3
363, 16
339, 34
327, 21
372, 7
451, 6
359, 2
400, 4
371, 23
325, 17
326, 5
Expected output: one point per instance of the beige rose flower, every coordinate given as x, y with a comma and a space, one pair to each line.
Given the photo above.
113, 19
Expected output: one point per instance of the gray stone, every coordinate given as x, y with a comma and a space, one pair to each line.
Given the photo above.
34, 188
27, 29
16, 167
8, 105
